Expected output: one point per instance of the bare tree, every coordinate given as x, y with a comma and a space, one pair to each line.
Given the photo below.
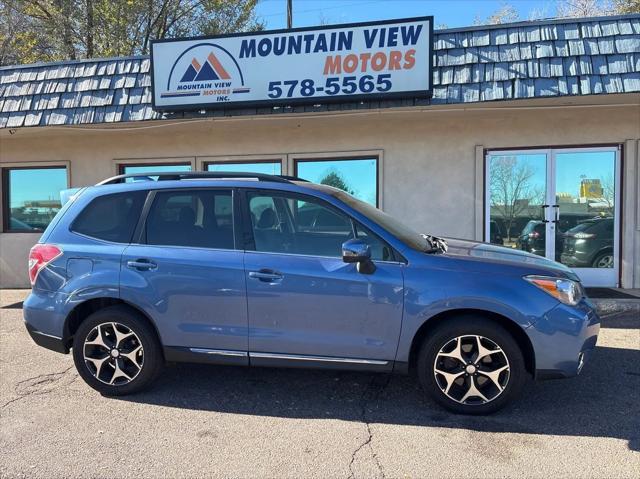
511, 190
608, 191
505, 14
626, 6
583, 8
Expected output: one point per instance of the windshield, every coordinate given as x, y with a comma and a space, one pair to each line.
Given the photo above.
405, 234
530, 227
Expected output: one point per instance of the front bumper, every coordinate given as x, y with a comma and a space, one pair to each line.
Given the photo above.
46, 340
575, 260
564, 339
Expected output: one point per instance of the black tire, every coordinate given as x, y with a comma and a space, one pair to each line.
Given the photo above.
151, 357
600, 257
470, 325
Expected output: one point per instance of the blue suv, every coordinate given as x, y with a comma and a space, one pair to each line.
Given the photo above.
261, 270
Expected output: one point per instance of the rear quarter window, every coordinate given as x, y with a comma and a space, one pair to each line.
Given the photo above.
111, 217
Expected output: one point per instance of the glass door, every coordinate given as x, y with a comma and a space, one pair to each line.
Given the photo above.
585, 213
558, 203
517, 192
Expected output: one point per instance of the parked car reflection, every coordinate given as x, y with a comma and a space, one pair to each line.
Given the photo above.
589, 244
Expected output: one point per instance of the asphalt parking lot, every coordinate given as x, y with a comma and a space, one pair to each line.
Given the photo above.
207, 421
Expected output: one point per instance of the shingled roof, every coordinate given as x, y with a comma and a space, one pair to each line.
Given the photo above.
478, 64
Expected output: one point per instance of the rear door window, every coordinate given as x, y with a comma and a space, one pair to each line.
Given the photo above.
191, 218
111, 217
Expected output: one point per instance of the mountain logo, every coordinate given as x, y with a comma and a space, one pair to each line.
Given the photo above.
211, 69
205, 70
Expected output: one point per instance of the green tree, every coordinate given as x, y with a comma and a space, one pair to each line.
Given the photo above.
335, 179
46, 30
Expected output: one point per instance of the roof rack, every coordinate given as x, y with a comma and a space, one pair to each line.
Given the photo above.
181, 175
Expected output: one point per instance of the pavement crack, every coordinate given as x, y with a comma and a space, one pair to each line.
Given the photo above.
41, 384
371, 394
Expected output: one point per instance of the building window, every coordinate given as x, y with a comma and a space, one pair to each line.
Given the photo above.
357, 176
32, 197
144, 169
264, 167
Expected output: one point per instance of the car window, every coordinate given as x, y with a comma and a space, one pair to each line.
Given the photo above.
529, 227
111, 217
191, 218
285, 224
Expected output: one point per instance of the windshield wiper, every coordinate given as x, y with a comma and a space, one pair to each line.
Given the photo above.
435, 244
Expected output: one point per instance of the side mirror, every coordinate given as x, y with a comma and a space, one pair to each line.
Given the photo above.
357, 251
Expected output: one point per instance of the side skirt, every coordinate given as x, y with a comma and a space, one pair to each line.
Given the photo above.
243, 358
318, 362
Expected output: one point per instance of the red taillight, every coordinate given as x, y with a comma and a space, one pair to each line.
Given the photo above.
535, 234
39, 257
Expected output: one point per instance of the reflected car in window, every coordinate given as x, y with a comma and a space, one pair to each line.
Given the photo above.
589, 244
495, 233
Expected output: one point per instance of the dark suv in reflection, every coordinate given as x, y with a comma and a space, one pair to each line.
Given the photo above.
589, 244
533, 239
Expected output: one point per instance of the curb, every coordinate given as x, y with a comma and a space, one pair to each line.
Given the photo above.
609, 307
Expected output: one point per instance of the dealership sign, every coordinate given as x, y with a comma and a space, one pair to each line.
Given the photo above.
314, 65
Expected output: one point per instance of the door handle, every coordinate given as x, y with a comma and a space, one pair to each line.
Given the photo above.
142, 264
266, 276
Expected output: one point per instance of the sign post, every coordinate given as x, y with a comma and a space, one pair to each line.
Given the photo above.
390, 59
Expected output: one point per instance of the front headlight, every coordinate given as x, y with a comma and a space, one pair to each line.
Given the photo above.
564, 290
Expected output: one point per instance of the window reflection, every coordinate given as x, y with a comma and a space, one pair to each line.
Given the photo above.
149, 168
358, 177
263, 167
33, 196
517, 188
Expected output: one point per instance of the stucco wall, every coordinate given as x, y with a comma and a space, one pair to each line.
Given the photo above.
430, 169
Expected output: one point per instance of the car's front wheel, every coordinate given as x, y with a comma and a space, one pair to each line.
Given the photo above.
471, 365
117, 352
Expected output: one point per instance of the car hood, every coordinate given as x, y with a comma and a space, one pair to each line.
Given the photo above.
490, 253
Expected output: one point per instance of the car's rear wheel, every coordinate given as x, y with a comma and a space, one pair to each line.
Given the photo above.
117, 352
471, 365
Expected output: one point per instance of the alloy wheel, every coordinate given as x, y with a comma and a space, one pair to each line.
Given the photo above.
605, 261
471, 370
113, 353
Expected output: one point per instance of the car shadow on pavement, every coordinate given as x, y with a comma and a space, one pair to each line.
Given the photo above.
601, 402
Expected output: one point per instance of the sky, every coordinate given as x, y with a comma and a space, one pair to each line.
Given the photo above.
449, 13
571, 168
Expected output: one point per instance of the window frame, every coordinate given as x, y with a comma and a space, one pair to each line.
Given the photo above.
6, 190
205, 164
139, 235
247, 227
337, 157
